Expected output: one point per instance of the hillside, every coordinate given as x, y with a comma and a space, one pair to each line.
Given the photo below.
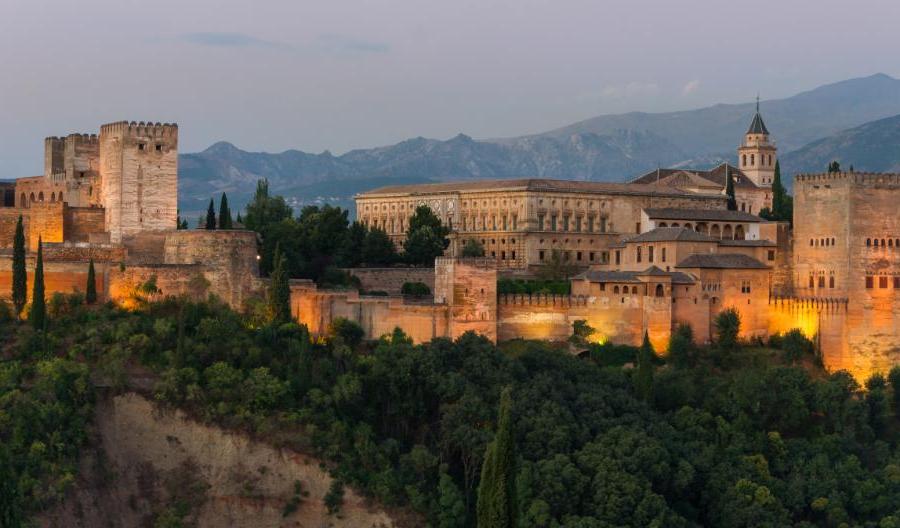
603, 148
873, 147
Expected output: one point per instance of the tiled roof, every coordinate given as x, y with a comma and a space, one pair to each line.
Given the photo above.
715, 176
721, 215
757, 126
671, 234
632, 276
721, 261
747, 243
535, 185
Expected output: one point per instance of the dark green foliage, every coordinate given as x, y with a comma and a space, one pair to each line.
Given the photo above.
581, 332
37, 316
378, 249
90, 295
729, 191
19, 275
472, 248
782, 202
225, 221
559, 287
877, 403
497, 507
10, 494
416, 289
279, 290
557, 268
681, 346
796, 345
894, 380
452, 505
643, 374
334, 499
426, 237
210, 216
350, 333
834, 166
612, 355
728, 326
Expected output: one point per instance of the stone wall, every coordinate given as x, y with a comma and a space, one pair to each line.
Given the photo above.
391, 280
59, 277
171, 280
228, 258
469, 287
81, 223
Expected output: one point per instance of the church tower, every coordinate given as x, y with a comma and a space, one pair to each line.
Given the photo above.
756, 155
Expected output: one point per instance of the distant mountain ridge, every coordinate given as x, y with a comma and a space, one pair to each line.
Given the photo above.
603, 148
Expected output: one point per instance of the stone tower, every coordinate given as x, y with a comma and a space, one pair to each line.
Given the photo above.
139, 177
756, 155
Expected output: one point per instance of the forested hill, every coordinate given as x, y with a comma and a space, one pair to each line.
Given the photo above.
732, 435
604, 148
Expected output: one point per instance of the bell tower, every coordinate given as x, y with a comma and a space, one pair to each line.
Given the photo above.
757, 153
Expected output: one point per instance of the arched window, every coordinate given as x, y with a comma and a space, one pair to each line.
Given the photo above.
662, 224
726, 233
752, 159
876, 242
882, 242
739, 232
41, 196
832, 241
616, 289
53, 196
831, 282
22, 201
890, 243
32, 198
811, 242
634, 290
688, 225
868, 242
60, 197
660, 291
743, 207
714, 231
744, 160
675, 224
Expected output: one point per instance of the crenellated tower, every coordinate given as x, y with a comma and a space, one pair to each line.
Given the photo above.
757, 153
138, 177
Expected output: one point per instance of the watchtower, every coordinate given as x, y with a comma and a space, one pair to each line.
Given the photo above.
757, 153
138, 177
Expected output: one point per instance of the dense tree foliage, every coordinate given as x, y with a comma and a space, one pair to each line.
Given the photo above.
426, 237
496, 507
762, 440
279, 294
225, 221
90, 295
210, 223
472, 248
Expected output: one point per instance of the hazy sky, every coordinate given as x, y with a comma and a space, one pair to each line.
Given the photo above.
335, 74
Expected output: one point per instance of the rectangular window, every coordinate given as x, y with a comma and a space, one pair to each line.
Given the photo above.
515, 222
637, 227
812, 281
638, 254
870, 281
650, 254
591, 224
896, 282
565, 223
513, 255
540, 222
604, 257
603, 224
552, 222
771, 254
504, 222
541, 255
158, 147
494, 254
578, 256
578, 224
882, 282
602, 286
663, 254
618, 257
591, 256
821, 282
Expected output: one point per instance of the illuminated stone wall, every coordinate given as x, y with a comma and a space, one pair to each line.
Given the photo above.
59, 276
469, 287
390, 280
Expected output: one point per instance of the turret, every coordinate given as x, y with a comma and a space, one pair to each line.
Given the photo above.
757, 153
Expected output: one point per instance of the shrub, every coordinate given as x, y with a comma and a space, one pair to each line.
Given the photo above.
681, 346
349, 331
795, 345
334, 499
472, 248
418, 289
728, 326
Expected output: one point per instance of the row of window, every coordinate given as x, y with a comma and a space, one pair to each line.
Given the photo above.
505, 223
143, 146
650, 252
882, 282
765, 160
821, 242
890, 242
579, 256
821, 281
565, 223
40, 198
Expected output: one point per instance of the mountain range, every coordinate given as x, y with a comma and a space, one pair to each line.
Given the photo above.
856, 121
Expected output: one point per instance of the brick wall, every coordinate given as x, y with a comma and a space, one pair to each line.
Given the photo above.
79, 223
391, 280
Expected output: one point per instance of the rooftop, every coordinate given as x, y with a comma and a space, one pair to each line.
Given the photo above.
721, 261
532, 184
720, 215
632, 276
714, 177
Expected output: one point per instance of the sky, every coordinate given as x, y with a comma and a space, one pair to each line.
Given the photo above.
270, 75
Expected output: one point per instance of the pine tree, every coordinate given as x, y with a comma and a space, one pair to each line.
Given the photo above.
643, 377
19, 275
729, 191
38, 314
211, 216
497, 506
91, 296
279, 289
224, 213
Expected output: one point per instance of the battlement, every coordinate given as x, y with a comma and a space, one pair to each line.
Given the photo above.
140, 128
827, 305
541, 299
858, 178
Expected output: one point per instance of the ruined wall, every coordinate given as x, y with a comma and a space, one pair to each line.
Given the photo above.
391, 280
139, 184
376, 315
228, 259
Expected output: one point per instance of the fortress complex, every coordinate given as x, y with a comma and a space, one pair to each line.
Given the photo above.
651, 254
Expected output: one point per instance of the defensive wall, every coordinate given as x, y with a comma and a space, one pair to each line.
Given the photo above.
390, 280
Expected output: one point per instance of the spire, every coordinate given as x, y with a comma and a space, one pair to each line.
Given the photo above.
757, 126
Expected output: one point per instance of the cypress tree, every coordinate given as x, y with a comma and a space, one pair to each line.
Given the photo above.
643, 377
224, 213
38, 314
279, 289
90, 296
497, 506
239, 219
211, 216
19, 275
729, 191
